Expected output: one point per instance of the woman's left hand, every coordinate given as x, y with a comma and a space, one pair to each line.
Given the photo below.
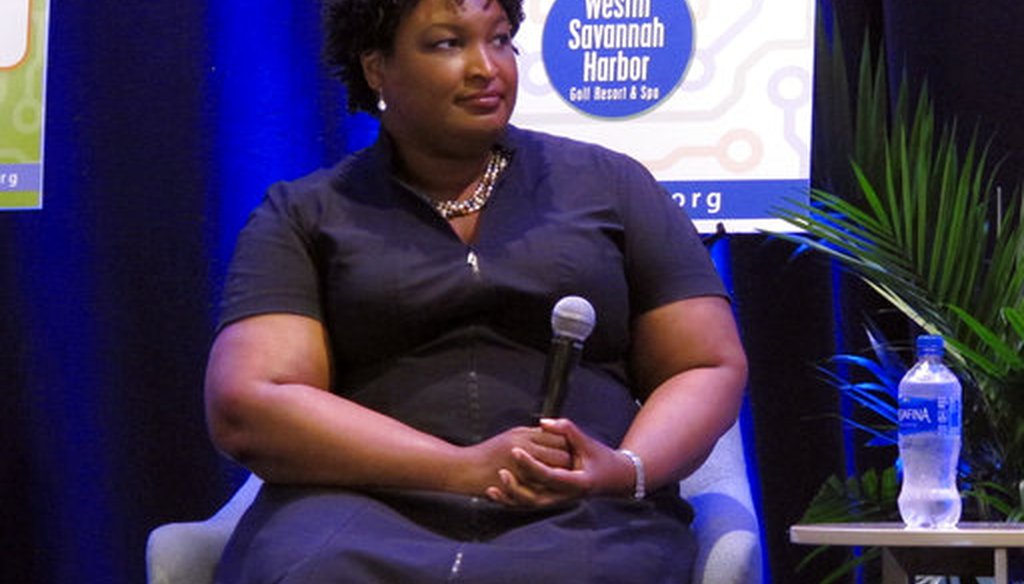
596, 469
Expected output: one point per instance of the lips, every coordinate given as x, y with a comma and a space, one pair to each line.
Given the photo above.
483, 101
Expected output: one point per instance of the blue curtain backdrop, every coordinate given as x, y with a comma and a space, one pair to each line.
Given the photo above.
167, 121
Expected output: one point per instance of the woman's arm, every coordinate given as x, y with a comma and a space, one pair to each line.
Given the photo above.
689, 357
689, 363
268, 407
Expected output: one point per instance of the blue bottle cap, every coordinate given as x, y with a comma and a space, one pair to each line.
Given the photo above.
929, 345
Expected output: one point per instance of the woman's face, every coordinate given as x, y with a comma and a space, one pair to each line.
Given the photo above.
451, 80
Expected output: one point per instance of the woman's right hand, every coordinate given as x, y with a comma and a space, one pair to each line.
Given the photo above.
596, 469
486, 459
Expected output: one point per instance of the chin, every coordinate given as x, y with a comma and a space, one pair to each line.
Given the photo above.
490, 128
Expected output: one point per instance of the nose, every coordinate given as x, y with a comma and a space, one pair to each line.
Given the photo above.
481, 62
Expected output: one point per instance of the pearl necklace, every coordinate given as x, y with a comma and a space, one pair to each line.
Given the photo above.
495, 165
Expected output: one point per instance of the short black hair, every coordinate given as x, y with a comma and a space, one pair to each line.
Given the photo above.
355, 27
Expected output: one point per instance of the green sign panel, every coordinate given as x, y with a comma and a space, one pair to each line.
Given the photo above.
23, 28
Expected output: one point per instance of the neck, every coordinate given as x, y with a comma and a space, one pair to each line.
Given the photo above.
441, 177
444, 169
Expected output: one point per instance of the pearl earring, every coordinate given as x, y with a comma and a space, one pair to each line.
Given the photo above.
381, 104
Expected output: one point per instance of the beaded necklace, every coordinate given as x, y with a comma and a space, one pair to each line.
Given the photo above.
495, 165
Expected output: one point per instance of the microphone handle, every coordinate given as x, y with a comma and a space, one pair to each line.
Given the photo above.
562, 358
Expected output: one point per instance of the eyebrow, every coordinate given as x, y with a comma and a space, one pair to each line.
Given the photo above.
455, 24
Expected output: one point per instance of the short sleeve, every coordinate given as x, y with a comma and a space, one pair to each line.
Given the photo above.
273, 269
666, 260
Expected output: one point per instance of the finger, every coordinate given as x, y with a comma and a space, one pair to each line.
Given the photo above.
530, 466
514, 491
503, 492
540, 481
578, 441
553, 457
560, 426
497, 495
551, 449
577, 480
549, 439
528, 469
526, 492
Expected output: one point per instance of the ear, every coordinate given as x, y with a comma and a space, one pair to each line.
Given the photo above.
373, 69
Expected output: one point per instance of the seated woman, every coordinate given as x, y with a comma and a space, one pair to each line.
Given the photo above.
385, 326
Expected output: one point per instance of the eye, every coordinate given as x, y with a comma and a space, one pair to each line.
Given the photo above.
446, 43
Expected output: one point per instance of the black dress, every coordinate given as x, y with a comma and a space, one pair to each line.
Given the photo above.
451, 339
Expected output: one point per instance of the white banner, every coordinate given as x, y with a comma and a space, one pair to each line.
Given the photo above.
713, 97
23, 27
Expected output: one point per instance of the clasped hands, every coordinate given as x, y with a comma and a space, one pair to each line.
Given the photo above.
553, 463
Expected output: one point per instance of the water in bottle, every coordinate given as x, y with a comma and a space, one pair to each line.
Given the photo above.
929, 439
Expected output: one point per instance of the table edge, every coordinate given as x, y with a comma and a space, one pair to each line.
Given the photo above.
968, 534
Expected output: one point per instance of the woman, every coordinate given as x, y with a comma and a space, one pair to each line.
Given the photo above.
385, 326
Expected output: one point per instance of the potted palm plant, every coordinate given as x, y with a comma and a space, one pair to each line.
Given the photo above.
921, 220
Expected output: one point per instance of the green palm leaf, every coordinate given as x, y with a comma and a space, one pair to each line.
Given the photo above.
920, 221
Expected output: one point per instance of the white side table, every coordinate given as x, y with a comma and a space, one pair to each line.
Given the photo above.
980, 549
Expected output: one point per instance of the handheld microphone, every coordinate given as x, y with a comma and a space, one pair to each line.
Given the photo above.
572, 319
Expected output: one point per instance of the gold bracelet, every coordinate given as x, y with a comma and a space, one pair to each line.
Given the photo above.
639, 490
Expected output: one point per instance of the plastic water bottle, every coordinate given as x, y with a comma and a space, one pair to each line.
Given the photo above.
929, 439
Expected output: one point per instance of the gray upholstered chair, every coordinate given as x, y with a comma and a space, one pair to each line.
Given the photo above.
726, 524
729, 550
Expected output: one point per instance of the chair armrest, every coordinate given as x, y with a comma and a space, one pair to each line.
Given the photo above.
188, 552
725, 522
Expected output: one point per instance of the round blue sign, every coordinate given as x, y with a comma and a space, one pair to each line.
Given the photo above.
617, 58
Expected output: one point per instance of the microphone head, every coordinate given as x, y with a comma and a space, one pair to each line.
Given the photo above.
573, 317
